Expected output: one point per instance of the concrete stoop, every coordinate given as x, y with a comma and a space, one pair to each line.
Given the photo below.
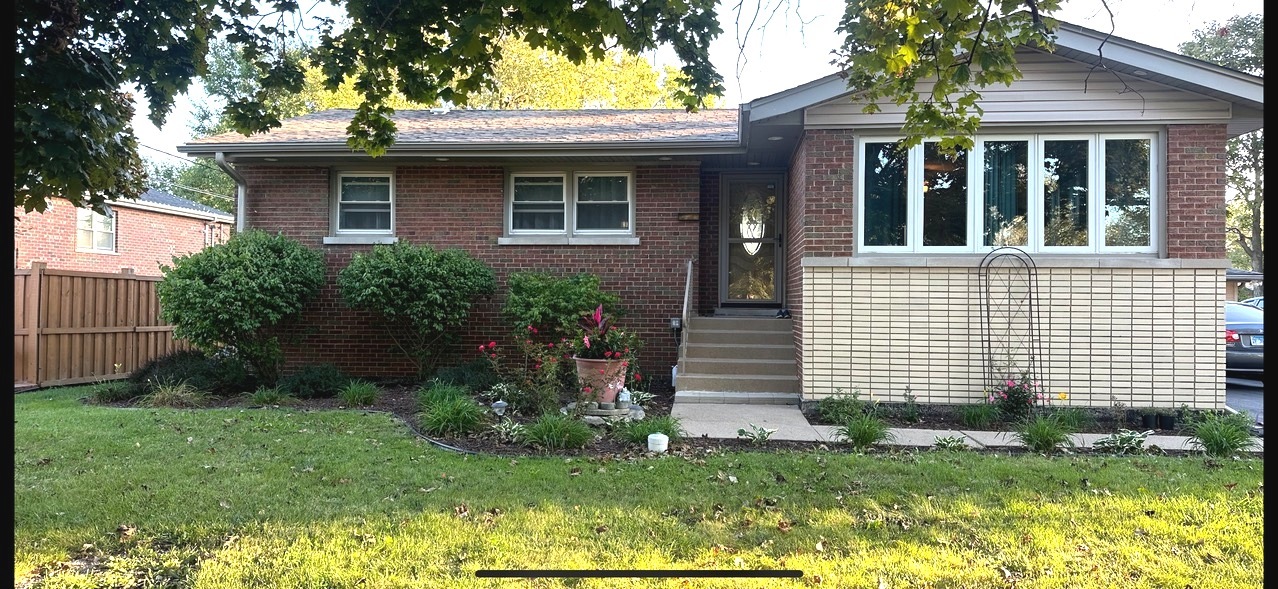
738, 360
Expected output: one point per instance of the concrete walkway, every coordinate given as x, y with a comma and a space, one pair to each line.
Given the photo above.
723, 420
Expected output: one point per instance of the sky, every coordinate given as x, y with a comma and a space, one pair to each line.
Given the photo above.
788, 42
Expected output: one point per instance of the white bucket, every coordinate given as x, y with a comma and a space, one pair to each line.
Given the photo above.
657, 442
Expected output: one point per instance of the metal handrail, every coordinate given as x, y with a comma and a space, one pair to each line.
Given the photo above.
687, 302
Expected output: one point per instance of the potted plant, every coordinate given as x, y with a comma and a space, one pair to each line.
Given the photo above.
603, 353
1149, 419
1166, 420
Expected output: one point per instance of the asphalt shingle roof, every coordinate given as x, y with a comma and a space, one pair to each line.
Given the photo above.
164, 198
498, 127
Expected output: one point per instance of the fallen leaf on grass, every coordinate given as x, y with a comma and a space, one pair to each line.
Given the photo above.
461, 510
225, 504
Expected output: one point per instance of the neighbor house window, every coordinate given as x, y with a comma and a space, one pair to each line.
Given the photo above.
571, 203
95, 232
1090, 193
365, 203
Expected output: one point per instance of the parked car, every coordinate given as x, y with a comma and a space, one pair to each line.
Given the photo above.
1255, 302
1244, 341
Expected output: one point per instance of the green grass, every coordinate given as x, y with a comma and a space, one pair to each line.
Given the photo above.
240, 497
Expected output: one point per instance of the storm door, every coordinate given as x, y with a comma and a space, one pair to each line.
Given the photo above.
750, 258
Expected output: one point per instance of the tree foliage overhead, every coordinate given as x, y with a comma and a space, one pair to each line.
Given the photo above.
892, 49
72, 122
1239, 44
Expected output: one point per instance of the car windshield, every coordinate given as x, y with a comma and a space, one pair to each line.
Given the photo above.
1239, 313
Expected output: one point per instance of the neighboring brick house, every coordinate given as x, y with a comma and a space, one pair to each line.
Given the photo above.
140, 235
1113, 184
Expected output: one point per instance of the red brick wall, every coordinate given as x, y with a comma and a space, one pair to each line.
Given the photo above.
1196, 191
144, 240
827, 186
796, 199
463, 206
708, 260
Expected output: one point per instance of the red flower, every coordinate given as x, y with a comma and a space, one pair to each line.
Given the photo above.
638, 377
492, 344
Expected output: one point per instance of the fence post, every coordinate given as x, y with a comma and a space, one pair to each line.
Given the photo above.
31, 300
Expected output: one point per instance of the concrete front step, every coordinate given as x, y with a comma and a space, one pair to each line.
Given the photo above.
742, 323
737, 366
737, 383
736, 398
741, 351
740, 336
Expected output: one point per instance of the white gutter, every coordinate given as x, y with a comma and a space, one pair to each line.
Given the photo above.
241, 189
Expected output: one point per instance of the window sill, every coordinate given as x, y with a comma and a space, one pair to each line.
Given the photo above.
93, 251
360, 239
563, 240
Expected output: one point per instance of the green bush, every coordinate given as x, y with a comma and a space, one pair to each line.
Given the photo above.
230, 296
222, 374
1043, 433
422, 295
978, 416
267, 396
476, 375
437, 393
1221, 435
455, 416
840, 408
637, 432
557, 432
554, 304
863, 431
114, 391
179, 395
314, 381
359, 393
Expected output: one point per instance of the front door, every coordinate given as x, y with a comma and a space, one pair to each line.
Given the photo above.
750, 259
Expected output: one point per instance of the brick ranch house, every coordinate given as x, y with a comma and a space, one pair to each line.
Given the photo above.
799, 201
138, 235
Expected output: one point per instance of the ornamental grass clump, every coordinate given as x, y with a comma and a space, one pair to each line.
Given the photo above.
863, 431
454, 416
553, 432
637, 432
359, 393
1221, 435
1044, 434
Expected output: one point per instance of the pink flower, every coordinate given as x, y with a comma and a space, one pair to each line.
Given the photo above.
550, 345
1010, 383
586, 338
482, 347
586, 389
492, 344
493, 356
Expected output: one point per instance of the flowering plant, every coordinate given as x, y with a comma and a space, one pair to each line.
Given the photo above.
1016, 397
598, 339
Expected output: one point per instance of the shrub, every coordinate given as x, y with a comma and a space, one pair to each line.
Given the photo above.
314, 381
554, 304
455, 416
553, 432
978, 416
222, 374
1043, 434
476, 375
359, 393
1016, 398
637, 432
840, 408
231, 295
910, 411
1073, 418
422, 295
438, 393
863, 431
1221, 435
114, 391
267, 396
179, 395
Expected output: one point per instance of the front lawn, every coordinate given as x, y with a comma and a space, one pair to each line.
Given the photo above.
111, 497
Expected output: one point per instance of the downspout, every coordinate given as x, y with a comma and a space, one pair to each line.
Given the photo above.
241, 189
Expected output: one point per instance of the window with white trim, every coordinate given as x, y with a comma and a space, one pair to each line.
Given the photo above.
1076, 193
95, 232
365, 203
570, 203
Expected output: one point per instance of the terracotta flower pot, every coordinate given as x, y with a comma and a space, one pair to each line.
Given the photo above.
604, 377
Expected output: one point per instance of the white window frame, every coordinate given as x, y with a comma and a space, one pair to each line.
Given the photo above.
1035, 201
570, 180
94, 230
510, 203
336, 218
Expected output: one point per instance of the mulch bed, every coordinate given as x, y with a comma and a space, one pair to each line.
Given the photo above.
400, 400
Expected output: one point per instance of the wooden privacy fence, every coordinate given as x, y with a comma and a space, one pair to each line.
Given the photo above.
76, 327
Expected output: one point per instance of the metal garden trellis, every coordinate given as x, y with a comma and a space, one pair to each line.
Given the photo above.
1009, 317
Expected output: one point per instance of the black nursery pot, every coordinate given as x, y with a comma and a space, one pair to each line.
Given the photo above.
1133, 416
1149, 421
1167, 421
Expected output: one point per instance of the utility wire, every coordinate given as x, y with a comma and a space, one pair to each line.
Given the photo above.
214, 194
187, 160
